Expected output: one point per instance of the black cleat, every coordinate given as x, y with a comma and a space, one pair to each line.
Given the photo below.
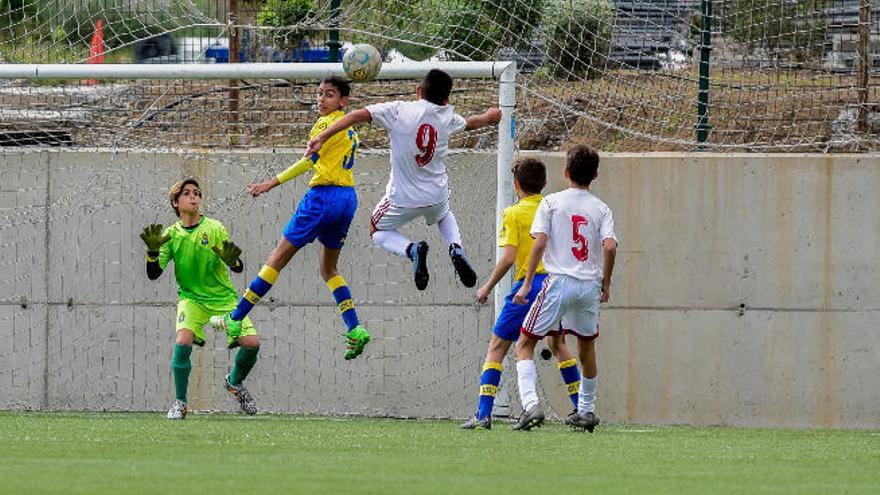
463, 268
588, 421
533, 418
418, 253
241, 394
475, 422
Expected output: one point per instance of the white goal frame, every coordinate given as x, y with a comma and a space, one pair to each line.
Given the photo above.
503, 71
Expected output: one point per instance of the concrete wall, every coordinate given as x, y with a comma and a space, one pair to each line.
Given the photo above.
746, 291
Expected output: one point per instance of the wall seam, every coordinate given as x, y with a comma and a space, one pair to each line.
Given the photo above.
46, 215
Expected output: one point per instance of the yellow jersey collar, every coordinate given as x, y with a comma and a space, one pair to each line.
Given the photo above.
335, 115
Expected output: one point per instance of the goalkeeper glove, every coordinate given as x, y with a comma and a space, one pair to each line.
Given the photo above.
153, 238
228, 253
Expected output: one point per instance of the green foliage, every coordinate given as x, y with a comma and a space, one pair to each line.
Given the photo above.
59, 31
286, 16
16, 16
792, 29
476, 29
579, 33
400, 20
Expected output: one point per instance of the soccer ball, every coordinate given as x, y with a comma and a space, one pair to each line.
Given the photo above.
362, 62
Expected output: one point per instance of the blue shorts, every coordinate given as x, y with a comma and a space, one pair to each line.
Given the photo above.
511, 318
324, 213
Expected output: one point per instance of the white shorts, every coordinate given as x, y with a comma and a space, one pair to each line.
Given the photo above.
387, 216
565, 299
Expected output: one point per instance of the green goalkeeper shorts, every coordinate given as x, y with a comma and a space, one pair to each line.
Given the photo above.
193, 316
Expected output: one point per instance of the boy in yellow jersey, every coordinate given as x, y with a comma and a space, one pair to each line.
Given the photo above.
324, 213
529, 178
201, 251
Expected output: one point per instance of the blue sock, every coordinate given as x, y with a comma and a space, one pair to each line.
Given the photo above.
255, 291
489, 380
572, 378
344, 303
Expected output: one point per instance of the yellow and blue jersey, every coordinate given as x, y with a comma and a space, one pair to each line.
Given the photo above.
516, 224
334, 162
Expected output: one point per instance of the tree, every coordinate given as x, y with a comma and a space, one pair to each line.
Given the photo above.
476, 29
579, 37
284, 15
408, 27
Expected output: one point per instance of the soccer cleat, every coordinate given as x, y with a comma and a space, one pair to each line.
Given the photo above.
226, 324
587, 421
463, 268
248, 406
356, 339
419, 255
177, 410
475, 422
532, 418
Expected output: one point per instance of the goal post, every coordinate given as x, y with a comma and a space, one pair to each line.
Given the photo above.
500, 76
503, 71
390, 71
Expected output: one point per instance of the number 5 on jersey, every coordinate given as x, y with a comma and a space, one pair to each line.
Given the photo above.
580, 250
426, 141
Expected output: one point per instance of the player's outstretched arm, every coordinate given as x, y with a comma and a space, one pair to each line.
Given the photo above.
153, 238
300, 167
230, 254
505, 261
347, 120
489, 117
535, 257
609, 248
260, 187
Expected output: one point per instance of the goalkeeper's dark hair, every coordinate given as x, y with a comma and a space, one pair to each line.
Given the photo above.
341, 84
436, 87
582, 163
531, 174
177, 189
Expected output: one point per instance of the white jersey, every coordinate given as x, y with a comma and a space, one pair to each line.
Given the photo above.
419, 132
577, 222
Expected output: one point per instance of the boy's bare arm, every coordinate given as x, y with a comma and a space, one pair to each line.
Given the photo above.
535, 258
609, 246
490, 116
300, 167
348, 120
508, 257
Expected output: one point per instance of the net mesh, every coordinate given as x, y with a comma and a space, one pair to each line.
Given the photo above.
87, 332
783, 75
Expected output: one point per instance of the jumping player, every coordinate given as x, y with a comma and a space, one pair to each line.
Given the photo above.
568, 228
419, 132
529, 178
324, 213
201, 250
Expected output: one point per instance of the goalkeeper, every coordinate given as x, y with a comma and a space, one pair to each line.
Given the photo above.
201, 250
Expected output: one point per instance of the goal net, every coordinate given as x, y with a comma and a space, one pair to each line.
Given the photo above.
766, 75
88, 155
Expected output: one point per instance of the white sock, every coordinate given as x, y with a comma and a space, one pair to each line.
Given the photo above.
527, 377
587, 395
392, 241
449, 229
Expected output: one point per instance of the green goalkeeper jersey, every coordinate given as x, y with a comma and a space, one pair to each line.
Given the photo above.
201, 275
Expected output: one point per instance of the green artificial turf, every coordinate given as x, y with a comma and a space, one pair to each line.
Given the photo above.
115, 453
